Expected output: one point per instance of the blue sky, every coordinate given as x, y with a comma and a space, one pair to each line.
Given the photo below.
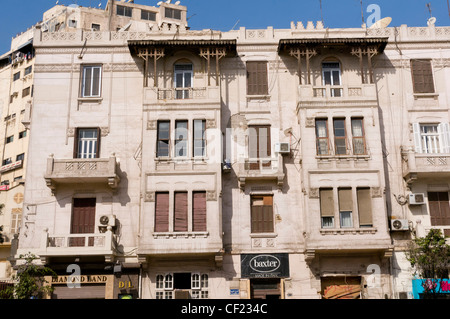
17, 16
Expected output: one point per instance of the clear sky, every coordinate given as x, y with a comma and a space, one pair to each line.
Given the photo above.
17, 16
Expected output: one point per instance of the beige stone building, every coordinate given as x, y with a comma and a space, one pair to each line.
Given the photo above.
167, 162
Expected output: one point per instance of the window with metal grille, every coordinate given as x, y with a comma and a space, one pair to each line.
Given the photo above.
87, 143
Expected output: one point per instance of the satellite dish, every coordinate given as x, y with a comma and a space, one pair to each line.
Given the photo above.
431, 21
381, 24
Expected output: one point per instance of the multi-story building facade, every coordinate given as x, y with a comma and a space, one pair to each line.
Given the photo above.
175, 163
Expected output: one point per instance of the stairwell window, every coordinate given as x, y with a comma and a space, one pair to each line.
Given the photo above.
91, 81
432, 138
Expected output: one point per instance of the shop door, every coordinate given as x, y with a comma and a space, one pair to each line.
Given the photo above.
265, 288
83, 220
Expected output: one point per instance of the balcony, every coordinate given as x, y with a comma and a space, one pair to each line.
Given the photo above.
310, 95
261, 169
75, 245
425, 165
182, 96
82, 171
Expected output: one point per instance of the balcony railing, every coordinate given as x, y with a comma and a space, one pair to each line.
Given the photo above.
77, 244
182, 95
261, 169
93, 170
329, 92
425, 165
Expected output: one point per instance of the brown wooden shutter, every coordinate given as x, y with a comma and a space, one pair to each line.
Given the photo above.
162, 212
438, 203
345, 200
83, 216
262, 214
422, 75
364, 206
257, 83
83, 220
326, 203
199, 211
181, 212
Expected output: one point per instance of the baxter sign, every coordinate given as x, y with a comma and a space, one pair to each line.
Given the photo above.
264, 265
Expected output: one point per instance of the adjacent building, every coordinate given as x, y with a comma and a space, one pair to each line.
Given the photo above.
166, 162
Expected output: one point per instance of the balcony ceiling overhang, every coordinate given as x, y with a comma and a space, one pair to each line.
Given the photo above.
174, 45
287, 44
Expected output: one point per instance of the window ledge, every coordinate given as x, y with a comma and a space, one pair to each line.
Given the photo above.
425, 95
90, 99
175, 235
258, 97
342, 157
263, 235
347, 231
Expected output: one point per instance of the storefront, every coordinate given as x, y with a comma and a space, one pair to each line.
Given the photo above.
123, 285
265, 274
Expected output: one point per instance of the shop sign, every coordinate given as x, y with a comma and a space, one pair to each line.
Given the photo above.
86, 279
11, 166
4, 187
264, 265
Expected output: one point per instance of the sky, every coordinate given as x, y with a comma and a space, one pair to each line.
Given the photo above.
224, 15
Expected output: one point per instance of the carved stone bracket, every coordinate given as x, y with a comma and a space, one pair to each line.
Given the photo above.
149, 197
314, 193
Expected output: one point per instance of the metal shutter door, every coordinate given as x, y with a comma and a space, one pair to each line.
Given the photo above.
84, 292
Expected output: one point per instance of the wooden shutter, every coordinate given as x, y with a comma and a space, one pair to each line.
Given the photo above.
422, 75
417, 138
345, 200
438, 203
83, 216
162, 212
199, 211
364, 206
83, 220
181, 212
257, 83
326, 203
444, 137
262, 214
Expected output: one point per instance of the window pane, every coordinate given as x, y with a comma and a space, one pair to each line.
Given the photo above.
181, 137
346, 219
96, 82
87, 81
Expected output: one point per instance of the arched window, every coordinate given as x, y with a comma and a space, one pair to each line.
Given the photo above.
331, 75
183, 78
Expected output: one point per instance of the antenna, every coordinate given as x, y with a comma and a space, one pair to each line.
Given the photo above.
429, 9
321, 11
362, 12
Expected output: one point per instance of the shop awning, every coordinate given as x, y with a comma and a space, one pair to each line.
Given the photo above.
286, 44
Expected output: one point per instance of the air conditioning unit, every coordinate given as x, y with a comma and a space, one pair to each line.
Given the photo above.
107, 220
416, 199
399, 224
226, 166
282, 148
